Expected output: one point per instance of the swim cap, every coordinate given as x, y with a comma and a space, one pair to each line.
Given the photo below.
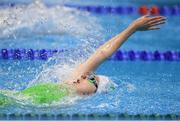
105, 84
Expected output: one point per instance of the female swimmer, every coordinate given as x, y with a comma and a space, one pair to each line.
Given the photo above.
87, 83
83, 81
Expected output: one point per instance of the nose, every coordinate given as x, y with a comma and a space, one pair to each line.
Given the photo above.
83, 76
78, 81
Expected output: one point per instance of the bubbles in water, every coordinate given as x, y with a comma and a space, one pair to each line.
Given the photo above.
130, 87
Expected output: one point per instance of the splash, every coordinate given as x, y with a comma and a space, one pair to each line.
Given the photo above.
38, 20
63, 20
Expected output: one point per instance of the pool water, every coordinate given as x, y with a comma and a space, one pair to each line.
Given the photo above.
143, 87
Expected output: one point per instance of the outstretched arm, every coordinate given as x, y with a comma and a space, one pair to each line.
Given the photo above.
144, 23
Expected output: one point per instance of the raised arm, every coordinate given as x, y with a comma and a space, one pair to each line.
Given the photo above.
144, 23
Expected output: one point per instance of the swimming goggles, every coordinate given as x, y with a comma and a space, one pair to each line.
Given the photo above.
92, 79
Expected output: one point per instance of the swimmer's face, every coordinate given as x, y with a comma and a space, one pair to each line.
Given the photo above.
83, 86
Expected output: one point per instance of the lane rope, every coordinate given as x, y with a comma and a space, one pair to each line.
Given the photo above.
100, 9
120, 55
153, 10
91, 116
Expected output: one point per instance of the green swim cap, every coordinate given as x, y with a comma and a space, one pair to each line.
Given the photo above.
46, 93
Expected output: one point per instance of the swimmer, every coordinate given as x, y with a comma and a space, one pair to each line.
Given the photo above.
83, 81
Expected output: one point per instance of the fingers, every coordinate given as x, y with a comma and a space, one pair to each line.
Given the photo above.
146, 16
152, 17
155, 20
156, 17
153, 28
148, 22
157, 23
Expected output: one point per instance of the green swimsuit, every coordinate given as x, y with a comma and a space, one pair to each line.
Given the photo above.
45, 93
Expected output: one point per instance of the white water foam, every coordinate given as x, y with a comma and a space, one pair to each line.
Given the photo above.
37, 18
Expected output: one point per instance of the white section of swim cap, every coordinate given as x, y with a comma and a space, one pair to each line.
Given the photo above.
105, 84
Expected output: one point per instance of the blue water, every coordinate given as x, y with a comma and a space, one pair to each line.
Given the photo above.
143, 87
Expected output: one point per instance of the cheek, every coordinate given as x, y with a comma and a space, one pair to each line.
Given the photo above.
86, 86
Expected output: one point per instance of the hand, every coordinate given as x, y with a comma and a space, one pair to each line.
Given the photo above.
147, 22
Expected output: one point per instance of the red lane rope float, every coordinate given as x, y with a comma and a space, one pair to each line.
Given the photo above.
45, 54
154, 10
143, 10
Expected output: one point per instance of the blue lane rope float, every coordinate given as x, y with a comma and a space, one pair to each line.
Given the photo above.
131, 55
91, 116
